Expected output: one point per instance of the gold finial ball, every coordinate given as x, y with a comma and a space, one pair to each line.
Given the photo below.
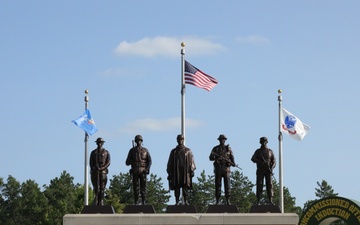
279, 91
182, 44
86, 91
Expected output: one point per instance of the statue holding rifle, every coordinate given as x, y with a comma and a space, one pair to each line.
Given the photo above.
99, 163
140, 161
223, 158
266, 162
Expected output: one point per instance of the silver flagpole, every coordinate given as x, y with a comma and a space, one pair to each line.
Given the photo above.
86, 173
183, 90
183, 99
281, 185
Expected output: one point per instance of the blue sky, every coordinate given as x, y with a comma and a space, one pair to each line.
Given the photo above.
127, 54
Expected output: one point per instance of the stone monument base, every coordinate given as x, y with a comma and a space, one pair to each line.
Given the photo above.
102, 209
139, 209
183, 219
222, 209
265, 209
181, 209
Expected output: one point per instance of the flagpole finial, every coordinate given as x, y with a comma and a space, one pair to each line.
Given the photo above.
86, 98
182, 44
279, 91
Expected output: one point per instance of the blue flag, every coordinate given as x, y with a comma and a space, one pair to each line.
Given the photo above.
86, 123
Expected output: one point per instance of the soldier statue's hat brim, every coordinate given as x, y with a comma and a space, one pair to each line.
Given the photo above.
221, 137
99, 140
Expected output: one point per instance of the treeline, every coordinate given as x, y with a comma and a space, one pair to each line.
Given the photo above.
28, 203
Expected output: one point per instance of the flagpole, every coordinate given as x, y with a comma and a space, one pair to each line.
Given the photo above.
281, 185
183, 90
86, 170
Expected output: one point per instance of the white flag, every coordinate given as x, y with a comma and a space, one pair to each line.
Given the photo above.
292, 126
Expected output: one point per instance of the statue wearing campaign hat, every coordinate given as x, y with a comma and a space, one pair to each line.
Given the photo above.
99, 163
223, 158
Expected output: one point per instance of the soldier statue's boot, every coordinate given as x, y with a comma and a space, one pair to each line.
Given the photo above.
177, 201
228, 200
258, 201
186, 200
95, 202
270, 196
143, 200
102, 194
270, 201
136, 200
217, 200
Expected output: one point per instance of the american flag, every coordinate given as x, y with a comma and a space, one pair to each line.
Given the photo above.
198, 78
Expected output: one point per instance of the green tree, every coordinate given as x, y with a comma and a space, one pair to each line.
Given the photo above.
10, 207
289, 201
2, 200
113, 199
121, 189
33, 204
22, 203
156, 195
241, 191
121, 186
323, 190
79, 196
62, 197
203, 192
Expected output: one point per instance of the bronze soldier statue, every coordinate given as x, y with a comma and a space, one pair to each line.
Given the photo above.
223, 158
140, 160
99, 163
265, 162
180, 169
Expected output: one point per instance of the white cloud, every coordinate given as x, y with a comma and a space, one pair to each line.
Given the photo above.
168, 46
141, 125
253, 39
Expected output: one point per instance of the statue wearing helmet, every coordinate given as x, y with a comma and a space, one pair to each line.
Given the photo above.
265, 162
140, 161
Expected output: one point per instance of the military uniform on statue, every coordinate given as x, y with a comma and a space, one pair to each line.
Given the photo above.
180, 169
265, 163
223, 158
99, 163
140, 161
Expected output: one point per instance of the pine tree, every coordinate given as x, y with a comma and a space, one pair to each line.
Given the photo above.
62, 197
203, 192
121, 188
241, 191
156, 195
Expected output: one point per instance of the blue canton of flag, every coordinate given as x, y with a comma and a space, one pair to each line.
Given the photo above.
86, 123
292, 126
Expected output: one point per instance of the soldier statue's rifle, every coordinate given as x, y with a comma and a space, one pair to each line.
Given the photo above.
97, 178
227, 160
131, 170
268, 167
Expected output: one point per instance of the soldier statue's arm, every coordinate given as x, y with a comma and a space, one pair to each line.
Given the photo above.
107, 162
